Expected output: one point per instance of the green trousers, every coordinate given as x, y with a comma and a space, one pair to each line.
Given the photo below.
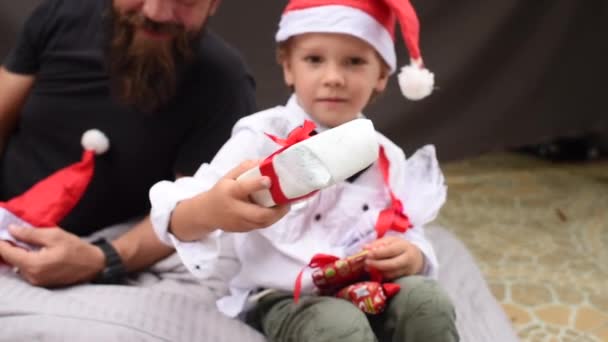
421, 311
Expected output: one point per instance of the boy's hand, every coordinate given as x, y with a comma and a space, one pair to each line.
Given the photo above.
226, 205
394, 257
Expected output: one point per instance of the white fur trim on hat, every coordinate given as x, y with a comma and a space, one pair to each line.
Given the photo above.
94, 139
339, 19
416, 82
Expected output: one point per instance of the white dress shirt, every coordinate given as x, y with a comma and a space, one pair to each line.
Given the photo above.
337, 220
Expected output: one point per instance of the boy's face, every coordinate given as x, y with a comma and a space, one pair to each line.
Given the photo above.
334, 75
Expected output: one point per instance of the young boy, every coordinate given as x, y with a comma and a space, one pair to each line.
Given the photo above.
336, 56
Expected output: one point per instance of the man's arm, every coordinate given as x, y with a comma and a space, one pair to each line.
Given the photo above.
139, 248
66, 259
14, 89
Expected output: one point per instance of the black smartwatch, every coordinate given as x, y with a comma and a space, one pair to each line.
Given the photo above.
114, 271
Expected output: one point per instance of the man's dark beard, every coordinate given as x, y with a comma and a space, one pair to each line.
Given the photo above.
144, 72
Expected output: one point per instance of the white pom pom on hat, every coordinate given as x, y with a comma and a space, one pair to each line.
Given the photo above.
415, 82
47, 202
95, 140
372, 21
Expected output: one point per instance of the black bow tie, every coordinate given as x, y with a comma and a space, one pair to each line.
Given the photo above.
354, 177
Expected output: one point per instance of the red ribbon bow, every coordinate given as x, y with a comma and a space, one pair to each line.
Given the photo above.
300, 133
393, 216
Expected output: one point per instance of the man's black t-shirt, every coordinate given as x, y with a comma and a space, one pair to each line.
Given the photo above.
63, 44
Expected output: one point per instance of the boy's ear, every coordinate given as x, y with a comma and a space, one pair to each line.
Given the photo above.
382, 80
287, 72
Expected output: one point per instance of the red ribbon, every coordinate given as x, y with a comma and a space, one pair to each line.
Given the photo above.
300, 133
393, 216
317, 261
375, 275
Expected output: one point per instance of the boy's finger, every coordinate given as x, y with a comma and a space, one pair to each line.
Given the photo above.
394, 274
259, 217
382, 242
251, 185
375, 244
385, 251
388, 265
241, 168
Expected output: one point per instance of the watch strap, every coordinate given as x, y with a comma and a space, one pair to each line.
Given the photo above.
114, 270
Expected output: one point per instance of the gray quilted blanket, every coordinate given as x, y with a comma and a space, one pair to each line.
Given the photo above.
166, 304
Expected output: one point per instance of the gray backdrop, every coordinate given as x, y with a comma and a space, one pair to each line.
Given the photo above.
509, 72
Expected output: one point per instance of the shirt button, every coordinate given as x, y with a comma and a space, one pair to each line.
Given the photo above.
318, 217
365, 207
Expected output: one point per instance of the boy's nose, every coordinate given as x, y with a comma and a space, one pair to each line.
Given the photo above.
160, 11
333, 76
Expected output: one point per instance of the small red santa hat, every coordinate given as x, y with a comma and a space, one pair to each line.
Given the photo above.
47, 202
372, 21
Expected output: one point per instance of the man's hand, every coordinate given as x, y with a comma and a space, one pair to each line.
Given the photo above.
394, 257
63, 258
227, 206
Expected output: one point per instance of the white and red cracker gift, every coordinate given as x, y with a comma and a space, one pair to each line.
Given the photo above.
305, 164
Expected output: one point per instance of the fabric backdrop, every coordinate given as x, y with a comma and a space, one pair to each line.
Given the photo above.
508, 72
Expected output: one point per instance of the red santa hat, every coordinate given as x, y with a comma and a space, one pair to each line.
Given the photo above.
372, 21
47, 202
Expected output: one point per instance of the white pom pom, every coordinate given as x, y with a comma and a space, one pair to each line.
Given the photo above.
416, 83
95, 140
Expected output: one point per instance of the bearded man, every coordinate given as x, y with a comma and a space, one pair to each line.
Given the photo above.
165, 91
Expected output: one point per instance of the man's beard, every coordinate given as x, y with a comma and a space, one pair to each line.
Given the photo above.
144, 71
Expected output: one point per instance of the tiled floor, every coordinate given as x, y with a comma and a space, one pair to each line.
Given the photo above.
540, 234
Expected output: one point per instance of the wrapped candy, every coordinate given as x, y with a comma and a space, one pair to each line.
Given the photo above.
369, 296
347, 278
340, 273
